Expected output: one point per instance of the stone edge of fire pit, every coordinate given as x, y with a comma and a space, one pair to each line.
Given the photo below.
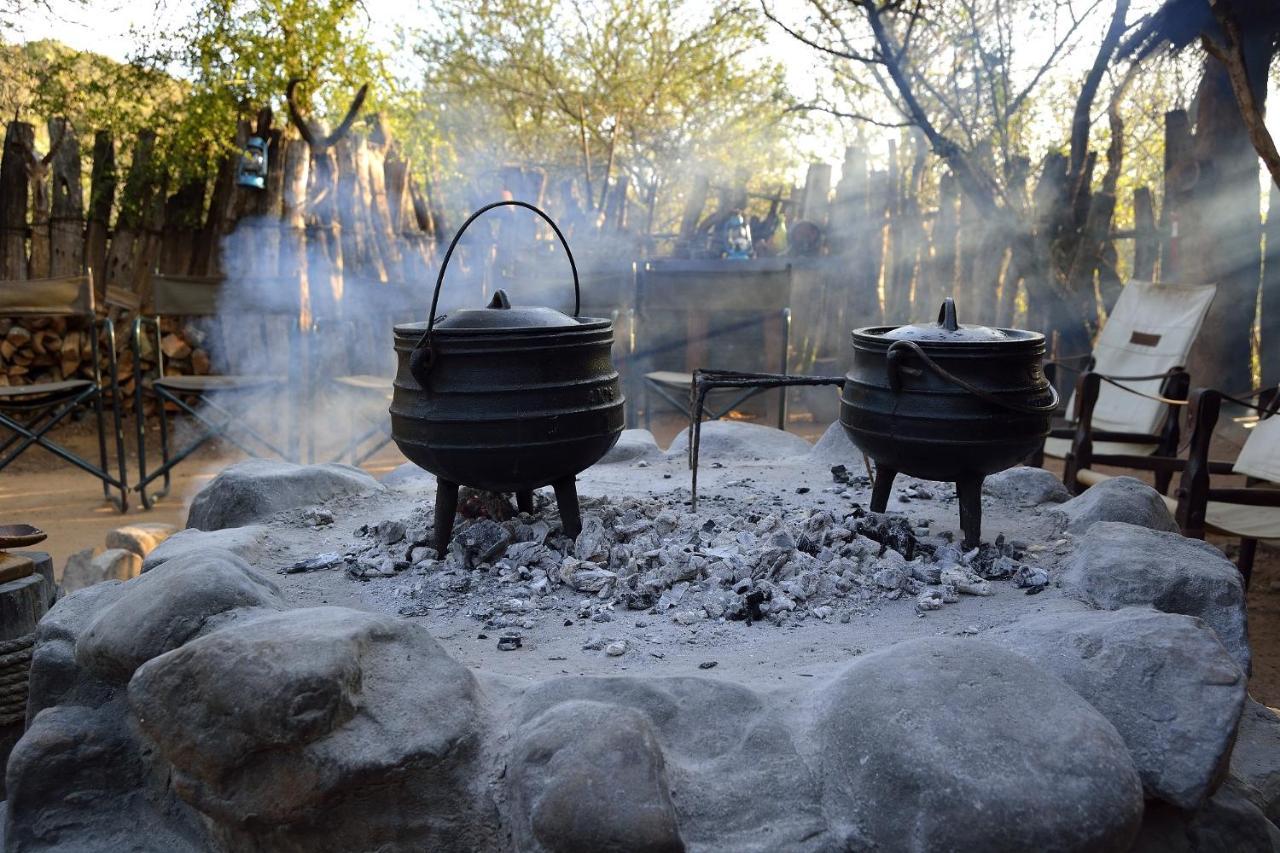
149, 680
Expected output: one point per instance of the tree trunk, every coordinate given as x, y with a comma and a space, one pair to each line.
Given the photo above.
1221, 234
1270, 337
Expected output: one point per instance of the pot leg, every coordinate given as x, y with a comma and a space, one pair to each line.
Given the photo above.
524, 501
567, 500
969, 491
882, 487
446, 507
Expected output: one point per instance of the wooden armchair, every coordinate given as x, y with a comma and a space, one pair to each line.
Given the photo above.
1249, 513
1141, 451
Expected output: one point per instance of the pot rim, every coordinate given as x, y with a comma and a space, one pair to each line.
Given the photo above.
584, 324
1019, 339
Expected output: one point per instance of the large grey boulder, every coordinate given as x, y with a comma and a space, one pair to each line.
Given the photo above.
591, 776
1228, 823
633, 445
1163, 680
407, 475
320, 729
256, 489
1118, 499
244, 542
946, 744
1117, 565
78, 780
1255, 760
1024, 486
111, 564
835, 447
163, 609
735, 441
729, 758
56, 678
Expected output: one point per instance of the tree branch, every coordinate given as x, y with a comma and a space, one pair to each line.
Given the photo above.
819, 108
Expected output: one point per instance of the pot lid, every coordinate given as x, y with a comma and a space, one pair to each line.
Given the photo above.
946, 329
501, 314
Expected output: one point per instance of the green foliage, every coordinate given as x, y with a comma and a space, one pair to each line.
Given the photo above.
239, 56
670, 89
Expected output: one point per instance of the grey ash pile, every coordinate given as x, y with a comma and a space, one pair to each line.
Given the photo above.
751, 561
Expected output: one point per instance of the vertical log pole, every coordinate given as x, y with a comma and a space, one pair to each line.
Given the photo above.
1146, 238
18, 141
102, 198
66, 223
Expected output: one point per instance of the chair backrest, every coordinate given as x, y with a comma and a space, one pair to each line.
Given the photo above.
1150, 330
68, 296
1260, 456
185, 295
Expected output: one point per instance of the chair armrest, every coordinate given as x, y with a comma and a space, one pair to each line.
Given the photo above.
1246, 497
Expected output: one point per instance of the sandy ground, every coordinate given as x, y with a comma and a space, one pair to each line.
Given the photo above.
67, 504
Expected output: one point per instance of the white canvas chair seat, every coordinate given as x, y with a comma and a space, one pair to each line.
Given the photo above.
192, 384
1059, 447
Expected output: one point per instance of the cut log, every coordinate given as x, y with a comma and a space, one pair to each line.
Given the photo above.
70, 353
18, 336
175, 347
46, 343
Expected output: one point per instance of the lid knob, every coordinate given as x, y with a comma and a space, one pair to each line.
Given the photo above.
946, 315
499, 300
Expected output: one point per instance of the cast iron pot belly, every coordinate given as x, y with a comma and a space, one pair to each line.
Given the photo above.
509, 412
505, 398
946, 403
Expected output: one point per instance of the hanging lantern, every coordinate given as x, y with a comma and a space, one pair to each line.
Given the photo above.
253, 164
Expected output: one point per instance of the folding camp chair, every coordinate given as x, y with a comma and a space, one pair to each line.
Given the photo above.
366, 384
1250, 513
205, 399
29, 412
1143, 346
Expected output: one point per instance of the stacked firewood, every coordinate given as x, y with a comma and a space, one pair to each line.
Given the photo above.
40, 350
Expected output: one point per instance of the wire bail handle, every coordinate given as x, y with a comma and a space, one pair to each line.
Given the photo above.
421, 357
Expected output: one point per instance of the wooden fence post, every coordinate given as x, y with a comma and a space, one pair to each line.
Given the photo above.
66, 221
102, 198
18, 141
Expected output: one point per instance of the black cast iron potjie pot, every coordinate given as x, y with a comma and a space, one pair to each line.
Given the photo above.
506, 398
942, 401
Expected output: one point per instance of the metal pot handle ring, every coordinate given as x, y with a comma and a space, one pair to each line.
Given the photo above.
420, 358
894, 355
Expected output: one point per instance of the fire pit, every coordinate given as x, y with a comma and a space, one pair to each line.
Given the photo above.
506, 398
942, 401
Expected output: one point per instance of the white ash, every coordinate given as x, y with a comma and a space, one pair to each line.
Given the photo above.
734, 560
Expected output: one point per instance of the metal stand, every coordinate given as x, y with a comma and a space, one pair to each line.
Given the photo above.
705, 381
